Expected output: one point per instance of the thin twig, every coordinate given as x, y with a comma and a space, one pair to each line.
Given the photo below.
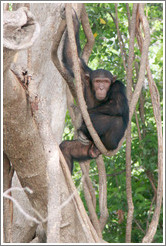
27, 216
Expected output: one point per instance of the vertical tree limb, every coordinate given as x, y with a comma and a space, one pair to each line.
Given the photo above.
87, 180
101, 167
157, 113
128, 136
156, 107
144, 56
77, 75
54, 201
78, 84
84, 219
7, 204
102, 192
89, 35
121, 43
128, 15
118, 32
92, 214
55, 59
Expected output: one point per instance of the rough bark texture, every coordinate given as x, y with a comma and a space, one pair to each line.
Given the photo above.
20, 131
46, 95
22, 229
7, 205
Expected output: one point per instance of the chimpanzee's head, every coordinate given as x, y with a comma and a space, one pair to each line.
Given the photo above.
101, 81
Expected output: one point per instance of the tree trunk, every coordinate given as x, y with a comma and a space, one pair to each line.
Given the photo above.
34, 115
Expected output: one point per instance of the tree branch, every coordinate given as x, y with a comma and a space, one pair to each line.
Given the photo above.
157, 114
55, 59
85, 171
102, 192
89, 35
144, 56
128, 136
119, 37
84, 219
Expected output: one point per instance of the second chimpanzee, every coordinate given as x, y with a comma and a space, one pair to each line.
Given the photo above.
107, 106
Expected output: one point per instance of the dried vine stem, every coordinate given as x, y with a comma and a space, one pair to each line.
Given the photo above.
88, 33
138, 87
58, 36
84, 219
85, 55
55, 59
92, 214
128, 15
77, 76
144, 56
119, 37
101, 167
102, 192
87, 180
157, 114
128, 135
90, 196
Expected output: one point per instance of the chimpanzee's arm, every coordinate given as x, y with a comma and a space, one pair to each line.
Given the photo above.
114, 107
67, 50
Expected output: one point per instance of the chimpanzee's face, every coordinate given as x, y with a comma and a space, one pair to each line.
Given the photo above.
101, 87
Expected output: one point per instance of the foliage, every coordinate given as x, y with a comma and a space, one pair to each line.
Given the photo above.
106, 54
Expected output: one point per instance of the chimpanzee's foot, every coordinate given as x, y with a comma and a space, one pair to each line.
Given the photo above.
93, 151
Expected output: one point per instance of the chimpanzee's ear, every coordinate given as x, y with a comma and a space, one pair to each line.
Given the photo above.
87, 77
114, 78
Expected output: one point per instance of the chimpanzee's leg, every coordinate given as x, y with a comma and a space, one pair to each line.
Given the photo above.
76, 151
101, 123
115, 133
109, 128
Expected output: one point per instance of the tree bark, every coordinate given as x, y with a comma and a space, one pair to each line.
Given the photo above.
34, 114
20, 132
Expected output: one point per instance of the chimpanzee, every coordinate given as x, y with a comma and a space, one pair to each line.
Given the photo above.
107, 106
